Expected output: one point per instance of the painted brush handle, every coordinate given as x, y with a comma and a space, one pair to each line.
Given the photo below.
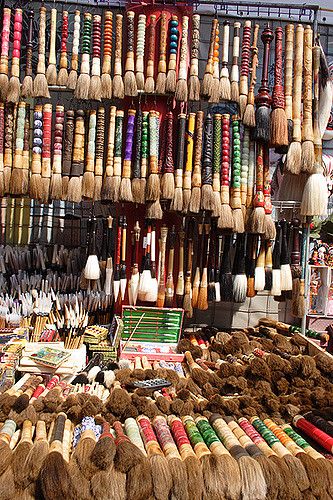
207, 163
181, 438
307, 131
216, 51
151, 46
149, 437
295, 254
153, 143
297, 94
246, 50
189, 146
111, 142
16, 51
68, 143
196, 180
5, 41
162, 151
52, 52
250, 177
210, 437
28, 67
118, 248
316, 131
196, 440
36, 164
107, 42
120, 435
2, 129
267, 182
144, 144
126, 173
245, 164
236, 163
225, 159
138, 144
41, 41
259, 200
140, 44
78, 145
165, 438
118, 143
169, 164
86, 35
225, 45
278, 91
129, 65
263, 98
209, 65
64, 38
20, 120
76, 41
46, 148
123, 241
182, 73
118, 48
254, 52
96, 45
181, 141
234, 75
90, 156
282, 437
161, 282
288, 69
58, 139
163, 42
99, 153
217, 142
194, 70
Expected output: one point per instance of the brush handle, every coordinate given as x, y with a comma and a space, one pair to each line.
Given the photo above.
41, 41
123, 241
236, 163
194, 69
58, 138
111, 142
161, 278
151, 46
78, 145
68, 143
217, 143
297, 91
180, 436
129, 64
53, 34
5, 40
173, 43
90, 156
36, 164
2, 139
245, 164
19, 135
210, 59
64, 39
189, 150
269, 437
255, 437
259, 200
163, 44
86, 43
180, 280
288, 69
16, 50
251, 173
307, 131
29, 48
153, 142
244, 440
140, 46
246, 51
118, 143
99, 152
181, 148
59, 426
225, 44
126, 173
144, 144
207, 163
225, 159
301, 442
165, 438
278, 100
210, 437
182, 71
138, 145
118, 45
76, 41
196, 177
197, 442
96, 45
149, 437
169, 164
234, 74
118, 248
46, 149
107, 42
316, 130
216, 52
267, 182
311, 430
254, 65
120, 435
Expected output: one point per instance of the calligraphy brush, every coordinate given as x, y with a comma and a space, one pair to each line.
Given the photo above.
250, 265
215, 85
211, 293
194, 205
123, 278
244, 68
169, 287
72, 77
181, 85
51, 71
168, 180
19, 176
207, 82
140, 48
194, 82
130, 85
286, 277
236, 200
133, 284
153, 183
56, 177
89, 174
115, 181
187, 302
234, 74
151, 295
62, 78
268, 265
170, 84
296, 268
288, 76
27, 89
35, 457
161, 268
125, 191
299, 309
249, 118
150, 82
225, 220
116, 278
239, 276
41, 88
199, 262
259, 273
95, 85
180, 279
5, 52
217, 268
177, 202
99, 155
203, 288
162, 68
14, 86
108, 182
118, 84
83, 81
276, 272
326, 92
136, 181
257, 219
278, 119
307, 131
225, 86
74, 192
217, 141
106, 81
145, 278
207, 195
110, 252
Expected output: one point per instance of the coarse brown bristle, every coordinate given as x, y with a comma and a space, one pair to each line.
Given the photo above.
98, 188
62, 77
54, 480
51, 74
294, 158
100, 485
214, 96
160, 83
177, 203
290, 486
106, 86
56, 187
65, 181
316, 473
139, 481
82, 86
21, 403
125, 193
130, 86
168, 186
118, 87
181, 91
179, 479
140, 81
27, 89
194, 205
249, 118
225, 88
72, 80
5, 456
153, 187
252, 478
216, 204
14, 88
143, 184
207, 197
45, 189
81, 456
279, 128
203, 298
171, 82
41, 88
238, 219
270, 229
163, 404
106, 188
149, 85
3, 86
136, 190
162, 480
16, 181
273, 478
195, 481
127, 456
308, 157
102, 455
206, 85
80, 485
33, 463
118, 401
194, 88
299, 473
115, 187
74, 191
95, 88
154, 210
257, 220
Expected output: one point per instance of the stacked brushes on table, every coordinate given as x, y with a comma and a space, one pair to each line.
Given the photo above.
235, 420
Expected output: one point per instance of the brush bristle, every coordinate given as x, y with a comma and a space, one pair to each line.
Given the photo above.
239, 288
168, 186
259, 279
125, 193
225, 88
206, 85
154, 210
72, 80
65, 181
98, 187
14, 89
130, 86
194, 88
115, 187
136, 190
226, 287
27, 89
257, 220
162, 480
62, 77
207, 202
308, 157
106, 86
262, 130
153, 187
235, 91
249, 118
171, 82
276, 282
74, 192
35, 186
214, 91
3, 87
143, 184
242, 104
279, 128
315, 196
92, 270
238, 219
268, 278
95, 88
51, 74
286, 277
270, 229
149, 85
181, 91
88, 185
118, 87
195, 200
82, 86
140, 81
203, 299
56, 187
160, 83
53, 468
294, 158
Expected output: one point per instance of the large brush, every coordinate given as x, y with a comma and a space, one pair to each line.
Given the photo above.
225, 87
125, 192
5, 33
217, 141
263, 99
307, 130
171, 78
41, 88
194, 205
123, 276
19, 176
72, 77
244, 69
95, 86
199, 264
27, 89
257, 219
140, 50
136, 184
234, 74
207, 82
225, 272
249, 118
83, 81
151, 35
226, 220
207, 195
62, 78
14, 85
180, 278
286, 276
46, 153
133, 284
194, 82
89, 174
168, 180
259, 276
270, 232
278, 118
203, 288
92, 270
106, 81
51, 71
118, 83
74, 192
130, 85
162, 67
288, 77
236, 200
181, 92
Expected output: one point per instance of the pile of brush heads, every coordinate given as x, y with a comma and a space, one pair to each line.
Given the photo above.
220, 431
199, 178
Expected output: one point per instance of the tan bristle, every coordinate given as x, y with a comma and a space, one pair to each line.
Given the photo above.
62, 79
235, 91
226, 220
82, 86
242, 104
72, 80
74, 192
136, 190
41, 88
171, 81
206, 84
249, 118
279, 128
153, 187
27, 89
308, 157
207, 202
95, 88
106, 85
194, 88
3, 86
149, 85
125, 193
154, 210
56, 187
294, 158
130, 86
160, 83
238, 219
118, 87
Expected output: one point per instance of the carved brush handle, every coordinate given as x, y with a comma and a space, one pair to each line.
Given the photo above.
278, 91
90, 156
288, 69
64, 38
107, 47
209, 65
129, 144
68, 143
52, 52
182, 73
76, 41
138, 142
246, 50
111, 141
217, 142
207, 164
194, 70
78, 145
151, 46
259, 200
161, 280
140, 44
297, 93
96, 45
46, 149
196, 179
254, 51
118, 143
58, 138
41, 41
28, 67
99, 153
163, 42
189, 148
267, 182
5, 41
118, 48
316, 131
169, 163
9, 135
307, 131
129, 65
263, 98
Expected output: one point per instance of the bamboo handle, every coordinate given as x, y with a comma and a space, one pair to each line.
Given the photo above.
288, 69
298, 70
41, 43
41, 434
52, 53
225, 46
316, 130
307, 131
163, 43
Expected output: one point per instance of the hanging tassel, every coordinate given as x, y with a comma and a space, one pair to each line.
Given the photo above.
107, 187
19, 177
161, 76
62, 79
140, 51
72, 77
181, 86
36, 163
236, 201
56, 179
177, 203
307, 131
189, 159
14, 86
234, 75
244, 70
106, 81
207, 82
194, 205
51, 71
83, 81
116, 178
214, 96
257, 220
2, 129
194, 82
68, 148
95, 88
226, 220
46, 153
217, 138
41, 88
27, 89
6, 13
150, 82
88, 181
278, 119
168, 180
125, 193
249, 118
118, 84
171, 78
225, 88
130, 86
136, 182
74, 192
99, 153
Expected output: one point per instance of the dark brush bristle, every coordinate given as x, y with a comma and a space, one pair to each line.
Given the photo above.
81, 379
262, 130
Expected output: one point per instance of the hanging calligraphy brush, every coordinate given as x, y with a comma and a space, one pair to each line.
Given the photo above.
162, 67
194, 82
207, 82
189, 160
145, 277
217, 268
14, 86
236, 201
214, 96
226, 220
89, 174
136, 184
51, 71
92, 270
217, 138
10, 118
187, 303
286, 277
41, 88
6, 13
46, 153
123, 278
2, 142
263, 98
161, 268
140, 49
180, 279
67, 154
251, 260
181, 86
245, 168
117, 159
109, 261
35, 184
118, 84
211, 295
278, 119
170, 84
130, 85
299, 302
63, 73
296, 269
307, 131
207, 197
83, 81
150, 82
107, 192
19, 177
116, 278
203, 289
225, 86
125, 193
294, 156
152, 293
72, 77
95, 86
239, 281
315, 194
194, 205
106, 81
234, 74
268, 265
99, 156
144, 155
169, 287
199, 263
288, 77
270, 232
27, 89
250, 181
153, 184
133, 285
276, 273
74, 192
244, 69
168, 180
259, 274
257, 219
249, 118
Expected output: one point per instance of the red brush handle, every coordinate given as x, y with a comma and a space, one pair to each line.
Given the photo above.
319, 436
151, 38
259, 200
64, 32
47, 129
263, 97
5, 34
225, 150
2, 126
278, 100
121, 436
106, 431
267, 181
96, 37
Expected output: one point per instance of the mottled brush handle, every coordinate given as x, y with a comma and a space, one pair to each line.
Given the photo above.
37, 139
288, 69
278, 90
267, 182
297, 82
307, 131
26, 144
5, 41
47, 134
217, 141
236, 154
78, 145
111, 142
129, 65
96, 45
28, 67
254, 65
118, 143
76, 41
90, 156
138, 143
263, 98
41, 41
198, 148
118, 48
129, 144
259, 200
151, 46
182, 74
144, 144
64, 38
194, 70
58, 139
16, 50
165, 437
209, 65
246, 50
153, 143
19, 132
100, 131
53, 34
2, 129
169, 164
225, 47
68, 143
195, 437
207, 163
140, 43
151, 444
107, 47
316, 131
163, 42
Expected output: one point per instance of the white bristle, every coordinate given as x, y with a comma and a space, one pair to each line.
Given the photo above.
286, 277
151, 295
124, 363
93, 372
276, 282
109, 378
217, 292
259, 279
92, 270
239, 287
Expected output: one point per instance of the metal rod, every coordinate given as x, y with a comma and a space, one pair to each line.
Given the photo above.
306, 278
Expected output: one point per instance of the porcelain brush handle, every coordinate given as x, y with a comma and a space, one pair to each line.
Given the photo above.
58, 139
5, 41
234, 74
96, 45
76, 41
225, 159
